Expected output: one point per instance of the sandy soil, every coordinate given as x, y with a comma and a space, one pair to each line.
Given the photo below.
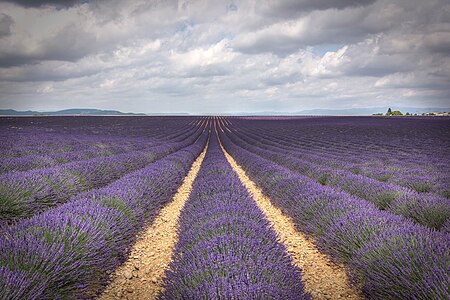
141, 276
322, 278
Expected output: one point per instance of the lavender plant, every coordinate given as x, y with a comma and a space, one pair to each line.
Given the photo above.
337, 143
23, 194
427, 209
226, 248
65, 252
377, 245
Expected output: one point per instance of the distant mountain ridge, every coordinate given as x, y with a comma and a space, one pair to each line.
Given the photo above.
72, 111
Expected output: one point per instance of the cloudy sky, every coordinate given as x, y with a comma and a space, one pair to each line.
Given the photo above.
207, 56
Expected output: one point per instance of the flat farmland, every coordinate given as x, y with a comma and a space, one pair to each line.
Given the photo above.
215, 207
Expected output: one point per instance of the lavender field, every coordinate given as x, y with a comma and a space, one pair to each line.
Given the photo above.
372, 194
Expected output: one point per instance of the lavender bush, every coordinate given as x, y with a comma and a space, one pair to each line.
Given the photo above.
362, 147
64, 253
226, 248
347, 228
61, 135
427, 209
23, 194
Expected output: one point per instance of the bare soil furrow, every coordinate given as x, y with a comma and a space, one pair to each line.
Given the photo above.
323, 278
141, 276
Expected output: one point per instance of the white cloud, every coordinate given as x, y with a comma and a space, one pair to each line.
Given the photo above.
45, 88
214, 55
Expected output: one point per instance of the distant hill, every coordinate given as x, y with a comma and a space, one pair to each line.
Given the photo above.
72, 111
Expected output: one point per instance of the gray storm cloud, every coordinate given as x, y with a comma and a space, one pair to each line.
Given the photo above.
6, 23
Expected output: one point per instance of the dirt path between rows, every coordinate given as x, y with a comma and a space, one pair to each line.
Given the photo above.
322, 278
141, 276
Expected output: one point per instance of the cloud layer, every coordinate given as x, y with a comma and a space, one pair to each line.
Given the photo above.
217, 56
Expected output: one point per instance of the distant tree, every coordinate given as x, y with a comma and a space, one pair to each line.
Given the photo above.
396, 113
389, 112
407, 114
377, 114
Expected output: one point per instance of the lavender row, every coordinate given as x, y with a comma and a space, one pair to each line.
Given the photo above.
425, 208
358, 152
421, 180
41, 144
66, 252
358, 139
40, 135
51, 159
418, 177
406, 139
340, 153
226, 248
26, 193
36, 142
28, 162
389, 256
428, 209
362, 140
